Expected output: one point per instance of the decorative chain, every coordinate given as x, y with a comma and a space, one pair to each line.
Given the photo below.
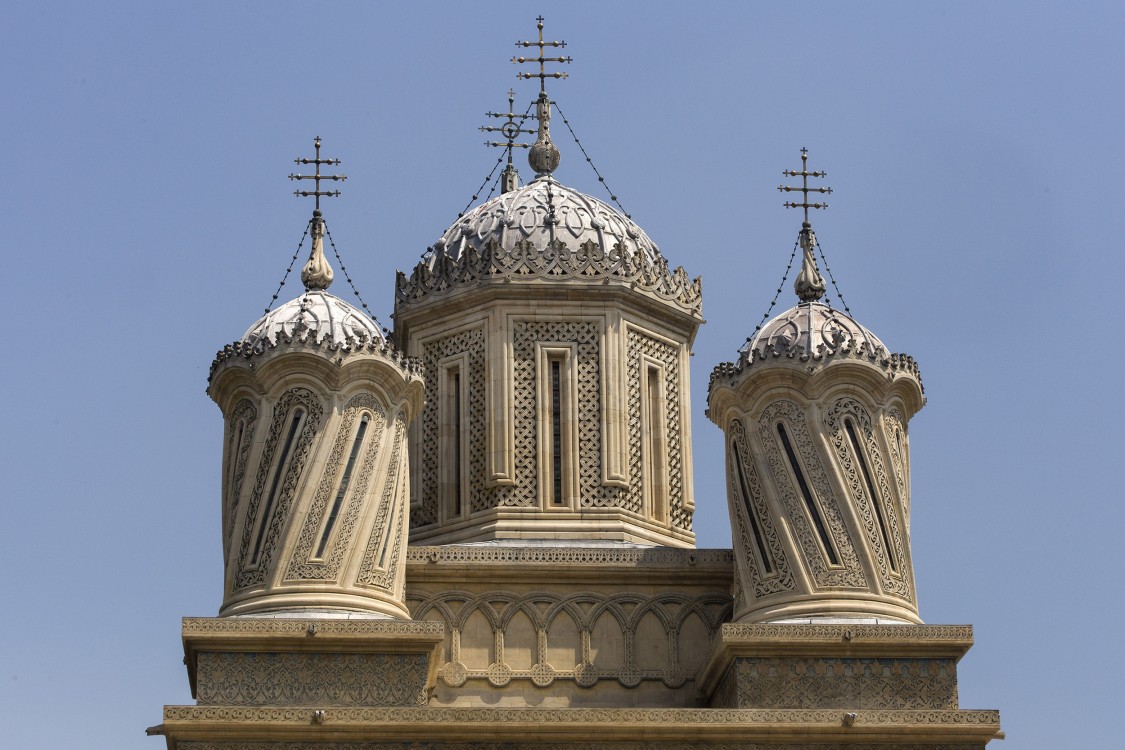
832, 278
780, 286
590, 161
351, 283
489, 178
290, 269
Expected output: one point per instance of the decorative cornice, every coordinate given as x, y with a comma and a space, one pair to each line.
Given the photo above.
555, 262
586, 556
303, 339
730, 373
277, 627
896, 726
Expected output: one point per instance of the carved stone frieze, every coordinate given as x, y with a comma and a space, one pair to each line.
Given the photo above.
835, 682
753, 523
308, 679
426, 511
877, 513
266, 531
327, 568
242, 422
848, 572
603, 635
553, 262
387, 534
595, 557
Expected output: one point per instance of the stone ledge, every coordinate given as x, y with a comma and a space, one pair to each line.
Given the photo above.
608, 725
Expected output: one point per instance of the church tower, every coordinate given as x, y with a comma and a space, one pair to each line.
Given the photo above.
554, 340
316, 405
815, 412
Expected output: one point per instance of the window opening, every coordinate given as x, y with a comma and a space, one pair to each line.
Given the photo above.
655, 430
767, 565
282, 464
806, 492
876, 501
342, 492
556, 432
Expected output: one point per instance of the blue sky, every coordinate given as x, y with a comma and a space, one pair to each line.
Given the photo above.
976, 155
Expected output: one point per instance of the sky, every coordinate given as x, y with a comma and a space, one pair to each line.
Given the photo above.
970, 147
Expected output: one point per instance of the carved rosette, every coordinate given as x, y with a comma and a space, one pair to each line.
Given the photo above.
316, 495
817, 479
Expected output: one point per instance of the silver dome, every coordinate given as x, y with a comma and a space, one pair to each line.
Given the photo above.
325, 316
810, 325
523, 215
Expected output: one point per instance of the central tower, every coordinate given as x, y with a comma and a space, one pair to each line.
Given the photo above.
554, 339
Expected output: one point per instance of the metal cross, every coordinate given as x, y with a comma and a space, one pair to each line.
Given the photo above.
511, 130
804, 174
542, 75
317, 176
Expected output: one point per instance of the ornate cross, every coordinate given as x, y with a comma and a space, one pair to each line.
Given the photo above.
542, 75
510, 130
804, 174
317, 176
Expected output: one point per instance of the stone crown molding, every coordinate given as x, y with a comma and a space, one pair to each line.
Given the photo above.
302, 340
555, 262
731, 374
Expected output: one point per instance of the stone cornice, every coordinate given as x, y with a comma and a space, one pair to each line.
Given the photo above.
553, 263
608, 725
573, 564
732, 374
302, 340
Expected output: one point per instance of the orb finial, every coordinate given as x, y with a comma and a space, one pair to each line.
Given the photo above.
544, 157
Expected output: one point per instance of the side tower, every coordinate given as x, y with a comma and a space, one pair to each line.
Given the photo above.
815, 414
555, 340
315, 481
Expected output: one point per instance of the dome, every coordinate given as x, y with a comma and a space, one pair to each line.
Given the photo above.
324, 315
809, 326
523, 215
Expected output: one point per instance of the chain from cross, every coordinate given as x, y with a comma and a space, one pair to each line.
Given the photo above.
317, 192
511, 130
542, 75
804, 174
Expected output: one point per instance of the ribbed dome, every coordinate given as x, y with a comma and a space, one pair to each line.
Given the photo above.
324, 315
523, 214
810, 325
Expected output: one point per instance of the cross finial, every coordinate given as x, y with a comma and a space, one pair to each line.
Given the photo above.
317, 176
542, 75
510, 130
804, 174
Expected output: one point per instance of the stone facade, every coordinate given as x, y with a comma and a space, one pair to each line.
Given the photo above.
479, 536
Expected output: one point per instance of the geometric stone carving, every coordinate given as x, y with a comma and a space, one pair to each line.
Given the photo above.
323, 526
305, 679
815, 411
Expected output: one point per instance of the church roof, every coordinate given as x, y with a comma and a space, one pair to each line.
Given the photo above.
808, 326
539, 212
324, 315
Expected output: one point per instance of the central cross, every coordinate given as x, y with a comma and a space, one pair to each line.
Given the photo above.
542, 75
317, 192
804, 174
